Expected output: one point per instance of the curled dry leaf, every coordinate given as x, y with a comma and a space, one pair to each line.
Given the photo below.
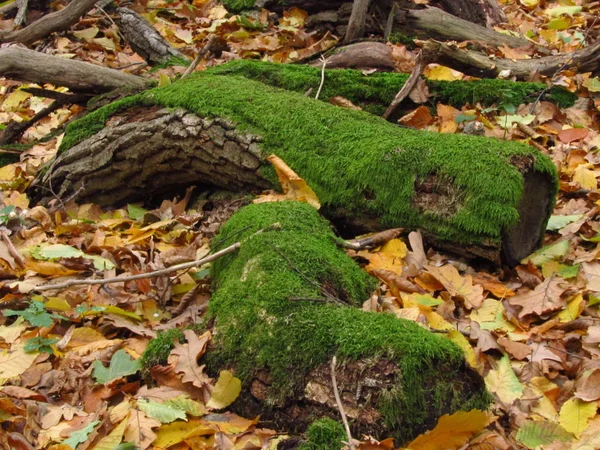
458, 285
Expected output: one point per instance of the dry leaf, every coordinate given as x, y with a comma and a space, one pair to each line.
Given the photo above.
457, 285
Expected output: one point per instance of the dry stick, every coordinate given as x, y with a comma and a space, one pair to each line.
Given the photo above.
12, 250
322, 78
140, 276
201, 54
373, 241
408, 86
22, 11
340, 406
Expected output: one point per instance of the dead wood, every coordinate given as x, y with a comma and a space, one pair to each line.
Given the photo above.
27, 65
361, 55
480, 65
56, 21
144, 39
358, 19
436, 23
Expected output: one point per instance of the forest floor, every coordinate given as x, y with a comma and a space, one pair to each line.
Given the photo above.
70, 366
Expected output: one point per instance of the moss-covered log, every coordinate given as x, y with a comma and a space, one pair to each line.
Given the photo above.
375, 92
289, 301
485, 195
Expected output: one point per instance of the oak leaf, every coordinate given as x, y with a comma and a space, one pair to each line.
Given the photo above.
457, 285
187, 358
544, 299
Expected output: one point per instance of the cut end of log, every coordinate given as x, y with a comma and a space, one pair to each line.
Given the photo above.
521, 240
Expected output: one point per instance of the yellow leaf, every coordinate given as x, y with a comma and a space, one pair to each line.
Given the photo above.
452, 431
458, 338
585, 177
164, 80
59, 304
225, 391
173, 433
576, 414
294, 187
84, 336
437, 72
15, 361
574, 308
113, 439
87, 35
504, 382
14, 99
49, 268
388, 257
458, 286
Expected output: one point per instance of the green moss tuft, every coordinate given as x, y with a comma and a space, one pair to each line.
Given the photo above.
324, 434
158, 349
288, 251
173, 61
320, 142
376, 91
236, 6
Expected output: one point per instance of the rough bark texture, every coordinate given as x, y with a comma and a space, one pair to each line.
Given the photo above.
28, 65
358, 18
56, 21
376, 171
144, 39
395, 377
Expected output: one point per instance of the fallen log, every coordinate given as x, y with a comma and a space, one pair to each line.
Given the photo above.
375, 92
290, 300
490, 197
27, 65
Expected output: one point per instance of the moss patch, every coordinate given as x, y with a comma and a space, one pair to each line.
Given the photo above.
158, 349
324, 434
376, 91
259, 325
355, 160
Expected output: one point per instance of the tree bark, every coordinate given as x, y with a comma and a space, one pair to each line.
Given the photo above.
27, 65
401, 179
144, 39
358, 18
279, 319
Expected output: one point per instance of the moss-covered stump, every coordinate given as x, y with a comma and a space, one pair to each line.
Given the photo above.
375, 92
289, 301
484, 196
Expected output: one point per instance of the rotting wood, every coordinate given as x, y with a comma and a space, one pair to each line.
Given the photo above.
358, 18
148, 151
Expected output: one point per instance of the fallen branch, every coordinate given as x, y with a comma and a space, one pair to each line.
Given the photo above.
141, 276
27, 65
480, 65
358, 18
56, 21
373, 241
338, 401
208, 47
420, 64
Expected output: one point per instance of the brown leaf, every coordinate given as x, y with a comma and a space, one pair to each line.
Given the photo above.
588, 389
419, 118
342, 102
517, 350
396, 283
188, 354
420, 93
457, 285
572, 134
544, 299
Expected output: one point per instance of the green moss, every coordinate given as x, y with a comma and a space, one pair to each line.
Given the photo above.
401, 38
261, 327
376, 91
236, 6
158, 349
8, 158
173, 61
380, 162
324, 434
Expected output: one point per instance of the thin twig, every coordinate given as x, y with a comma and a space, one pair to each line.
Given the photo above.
22, 12
201, 54
140, 276
12, 250
338, 400
373, 241
408, 86
322, 78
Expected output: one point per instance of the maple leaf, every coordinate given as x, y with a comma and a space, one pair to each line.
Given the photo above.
544, 299
187, 358
457, 285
